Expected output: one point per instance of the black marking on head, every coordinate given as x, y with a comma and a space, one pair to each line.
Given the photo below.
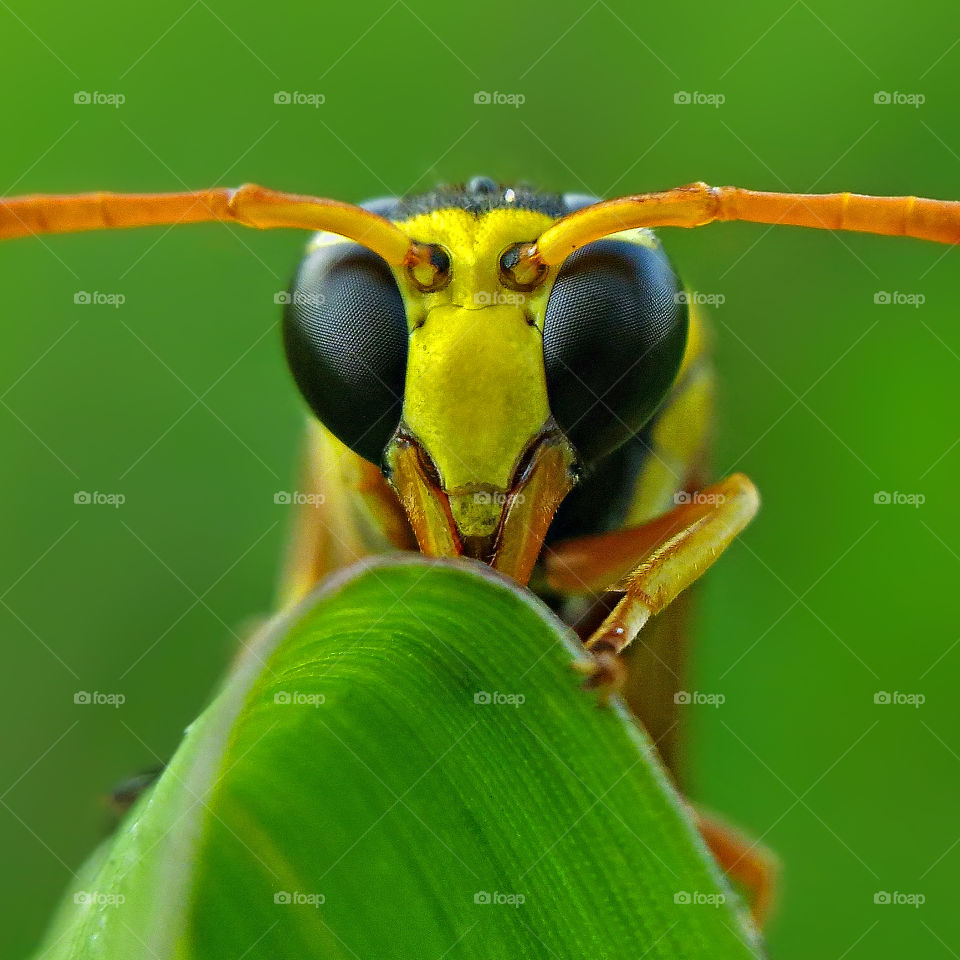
478, 196
601, 501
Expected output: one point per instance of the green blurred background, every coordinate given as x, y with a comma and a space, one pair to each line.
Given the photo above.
179, 399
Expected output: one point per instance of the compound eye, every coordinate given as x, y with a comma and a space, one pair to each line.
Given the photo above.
345, 334
615, 329
432, 271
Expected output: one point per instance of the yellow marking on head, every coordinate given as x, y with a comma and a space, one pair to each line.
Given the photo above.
475, 244
476, 392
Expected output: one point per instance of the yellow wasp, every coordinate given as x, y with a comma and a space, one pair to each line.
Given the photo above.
517, 377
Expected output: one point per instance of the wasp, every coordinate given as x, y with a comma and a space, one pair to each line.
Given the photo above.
518, 377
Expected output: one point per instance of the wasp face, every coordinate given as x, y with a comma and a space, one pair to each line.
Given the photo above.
480, 390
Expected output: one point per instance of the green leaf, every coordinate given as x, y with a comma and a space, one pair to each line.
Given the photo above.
407, 766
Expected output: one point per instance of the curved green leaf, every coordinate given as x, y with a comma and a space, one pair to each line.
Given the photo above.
407, 767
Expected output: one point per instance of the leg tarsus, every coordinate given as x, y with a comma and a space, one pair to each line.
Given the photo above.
605, 671
745, 861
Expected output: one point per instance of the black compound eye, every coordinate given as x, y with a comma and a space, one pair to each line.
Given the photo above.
614, 334
345, 333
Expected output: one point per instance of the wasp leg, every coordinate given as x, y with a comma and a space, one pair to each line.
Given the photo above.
748, 863
651, 564
124, 795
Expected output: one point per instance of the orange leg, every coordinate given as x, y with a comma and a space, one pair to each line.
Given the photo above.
250, 205
747, 863
651, 563
698, 204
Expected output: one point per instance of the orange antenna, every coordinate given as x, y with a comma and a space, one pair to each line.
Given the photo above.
250, 205
698, 204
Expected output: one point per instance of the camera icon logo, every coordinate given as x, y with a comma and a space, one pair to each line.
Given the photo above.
881, 496
882, 97
682, 697
482, 96
282, 97
481, 897
681, 96
282, 497
82, 696
881, 896
81, 96
482, 697
281, 896
282, 696
882, 696
681, 897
